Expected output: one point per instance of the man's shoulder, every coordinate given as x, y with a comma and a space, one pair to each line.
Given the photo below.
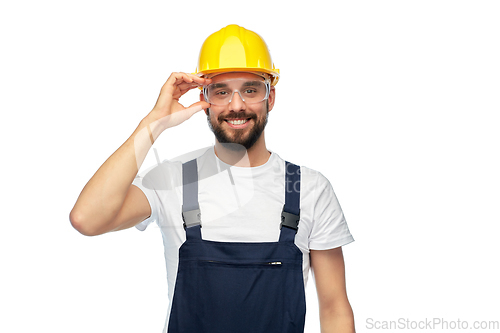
313, 180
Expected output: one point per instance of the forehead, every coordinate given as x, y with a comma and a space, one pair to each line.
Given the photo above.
235, 75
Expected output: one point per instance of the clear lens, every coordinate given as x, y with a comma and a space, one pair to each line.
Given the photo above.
250, 91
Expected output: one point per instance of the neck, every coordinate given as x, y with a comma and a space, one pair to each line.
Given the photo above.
255, 156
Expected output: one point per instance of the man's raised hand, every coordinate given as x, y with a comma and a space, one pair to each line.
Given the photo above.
168, 111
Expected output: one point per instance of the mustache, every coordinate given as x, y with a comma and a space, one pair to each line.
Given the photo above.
238, 115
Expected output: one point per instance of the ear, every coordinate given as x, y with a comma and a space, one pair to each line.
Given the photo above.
272, 97
202, 99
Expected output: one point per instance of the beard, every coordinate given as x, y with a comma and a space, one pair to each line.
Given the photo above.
238, 139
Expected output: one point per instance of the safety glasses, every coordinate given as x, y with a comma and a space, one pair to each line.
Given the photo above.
250, 90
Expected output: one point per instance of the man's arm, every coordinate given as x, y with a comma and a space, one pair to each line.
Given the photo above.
336, 314
109, 201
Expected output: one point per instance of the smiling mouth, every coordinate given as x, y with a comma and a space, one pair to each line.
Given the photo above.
237, 121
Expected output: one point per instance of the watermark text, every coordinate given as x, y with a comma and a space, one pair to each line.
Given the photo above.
431, 324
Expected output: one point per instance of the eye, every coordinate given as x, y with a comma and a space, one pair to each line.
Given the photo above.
250, 91
221, 93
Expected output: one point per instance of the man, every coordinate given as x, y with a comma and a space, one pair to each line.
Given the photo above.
241, 227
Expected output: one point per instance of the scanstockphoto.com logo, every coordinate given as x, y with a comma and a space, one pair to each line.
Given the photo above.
430, 324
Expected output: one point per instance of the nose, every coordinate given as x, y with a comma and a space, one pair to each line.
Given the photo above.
236, 103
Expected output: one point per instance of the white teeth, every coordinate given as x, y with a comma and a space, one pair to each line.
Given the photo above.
237, 122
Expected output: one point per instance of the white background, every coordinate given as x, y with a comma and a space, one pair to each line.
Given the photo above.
395, 102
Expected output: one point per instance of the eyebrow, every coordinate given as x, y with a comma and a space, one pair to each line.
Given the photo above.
252, 83
219, 85
246, 84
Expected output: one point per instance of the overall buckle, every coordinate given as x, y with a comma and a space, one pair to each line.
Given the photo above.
191, 218
290, 220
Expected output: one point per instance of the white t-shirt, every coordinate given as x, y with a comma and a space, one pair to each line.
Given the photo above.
241, 204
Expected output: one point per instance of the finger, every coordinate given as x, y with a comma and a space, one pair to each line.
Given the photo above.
201, 80
182, 91
176, 79
196, 78
182, 81
180, 78
168, 88
188, 86
185, 87
186, 82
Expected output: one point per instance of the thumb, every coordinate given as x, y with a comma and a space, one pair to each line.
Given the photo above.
196, 107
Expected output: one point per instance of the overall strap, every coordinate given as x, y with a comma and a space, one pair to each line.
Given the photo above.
191, 214
290, 215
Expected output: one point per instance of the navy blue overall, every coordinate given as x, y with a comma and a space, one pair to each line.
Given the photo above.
232, 287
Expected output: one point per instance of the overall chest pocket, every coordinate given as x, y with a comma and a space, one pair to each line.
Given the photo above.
249, 294
229, 264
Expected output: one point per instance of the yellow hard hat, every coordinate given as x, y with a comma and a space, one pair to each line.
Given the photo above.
233, 49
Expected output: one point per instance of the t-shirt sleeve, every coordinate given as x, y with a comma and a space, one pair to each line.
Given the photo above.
153, 200
329, 228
